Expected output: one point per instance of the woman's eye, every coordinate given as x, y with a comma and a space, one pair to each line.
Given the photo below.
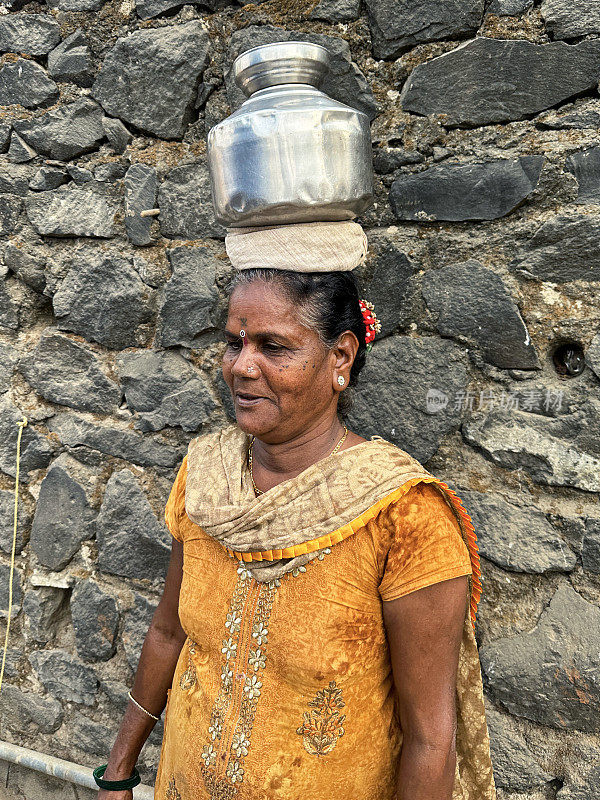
270, 347
233, 345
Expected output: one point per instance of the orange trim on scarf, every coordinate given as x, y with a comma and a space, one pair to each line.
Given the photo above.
329, 539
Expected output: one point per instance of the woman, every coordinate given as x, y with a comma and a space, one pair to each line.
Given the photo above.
314, 637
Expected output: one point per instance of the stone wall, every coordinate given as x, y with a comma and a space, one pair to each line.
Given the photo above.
483, 267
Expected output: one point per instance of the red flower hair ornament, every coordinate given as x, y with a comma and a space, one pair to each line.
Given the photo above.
372, 324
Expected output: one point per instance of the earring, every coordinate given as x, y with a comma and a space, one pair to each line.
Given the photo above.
341, 380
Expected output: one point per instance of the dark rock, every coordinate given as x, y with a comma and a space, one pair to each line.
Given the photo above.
48, 178
344, 82
63, 519
567, 19
508, 8
78, 5
8, 362
517, 539
89, 736
72, 212
5, 129
336, 10
572, 116
36, 450
65, 676
7, 506
146, 9
64, 371
401, 381
388, 159
185, 202
133, 447
456, 192
19, 151
225, 396
10, 210
110, 171
17, 592
550, 675
28, 783
117, 134
165, 389
30, 34
42, 607
140, 195
583, 771
135, 628
473, 305
548, 450
465, 87
9, 308
390, 284
396, 27
15, 663
14, 180
80, 175
28, 713
562, 249
150, 77
131, 541
28, 267
590, 551
189, 297
65, 132
25, 83
514, 765
104, 299
95, 620
585, 165
71, 60
592, 355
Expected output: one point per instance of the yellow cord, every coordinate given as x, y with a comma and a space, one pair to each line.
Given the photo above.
21, 425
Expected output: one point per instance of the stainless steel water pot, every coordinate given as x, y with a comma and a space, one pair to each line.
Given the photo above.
290, 153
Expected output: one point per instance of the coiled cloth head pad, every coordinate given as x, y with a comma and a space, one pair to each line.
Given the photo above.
300, 247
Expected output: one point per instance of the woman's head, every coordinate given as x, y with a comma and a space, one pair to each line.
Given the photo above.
302, 331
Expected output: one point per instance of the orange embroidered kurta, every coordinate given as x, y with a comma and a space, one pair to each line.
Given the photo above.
284, 689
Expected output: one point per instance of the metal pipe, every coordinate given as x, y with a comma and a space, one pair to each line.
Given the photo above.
59, 768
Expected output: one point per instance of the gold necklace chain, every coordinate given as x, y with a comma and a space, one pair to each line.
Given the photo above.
257, 491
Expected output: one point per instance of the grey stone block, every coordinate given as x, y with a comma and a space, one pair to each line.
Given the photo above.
585, 166
76, 432
71, 60
136, 623
336, 10
65, 132
64, 371
515, 768
19, 152
165, 389
396, 27
473, 305
7, 504
103, 299
24, 82
43, 606
10, 211
562, 249
26, 712
36, 450
464, 86
131, 541
550, 674
65, 676
189, 298
72, 212
116, 133
568, 19
48, 178
592, 355
590, 550
456, 192
63, 519
17, 591
185, 203
141, 185
395, 382
31, 34
95, 620
28, 266
150, 77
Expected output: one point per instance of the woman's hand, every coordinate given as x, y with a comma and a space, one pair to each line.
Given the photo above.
123, 794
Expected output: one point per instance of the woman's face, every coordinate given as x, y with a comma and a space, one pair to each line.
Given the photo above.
280, 375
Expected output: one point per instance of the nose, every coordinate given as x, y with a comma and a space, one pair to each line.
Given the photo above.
244, 365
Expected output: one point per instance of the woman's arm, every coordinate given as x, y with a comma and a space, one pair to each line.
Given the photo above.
424, 631
153, 678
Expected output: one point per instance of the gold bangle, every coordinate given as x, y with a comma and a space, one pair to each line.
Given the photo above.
141, 707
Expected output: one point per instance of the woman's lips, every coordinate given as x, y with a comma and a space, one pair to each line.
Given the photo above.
246, 400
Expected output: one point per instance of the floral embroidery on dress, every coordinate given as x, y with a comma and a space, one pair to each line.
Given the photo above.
188, 678
244, 654
323, 726
172, 791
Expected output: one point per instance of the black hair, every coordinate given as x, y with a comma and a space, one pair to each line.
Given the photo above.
328, 303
